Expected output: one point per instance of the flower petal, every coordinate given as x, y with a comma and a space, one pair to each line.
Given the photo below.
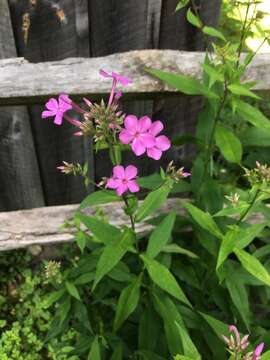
104, 73
64, 102
163, 143
125, 136
112, 183
154, 153
156, 128
121, 189
131, 123
148, 140
144, 124
138, 147
48, 113
58, 118
133, 186
52, 104
122, 79
131, 172
119, 172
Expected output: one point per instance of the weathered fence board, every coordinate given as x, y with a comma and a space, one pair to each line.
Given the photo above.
49, 39
42, 226
24, 83
18, 160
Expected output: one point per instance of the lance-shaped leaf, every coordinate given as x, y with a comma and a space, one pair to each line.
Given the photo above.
190, 349
99, 197
230, 146
253, 266
162, 277
112, 254
94, 353
127, 302
154, 200
160, 236
253, 115
204, 219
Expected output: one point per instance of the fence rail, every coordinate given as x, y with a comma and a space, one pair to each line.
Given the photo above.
24, 83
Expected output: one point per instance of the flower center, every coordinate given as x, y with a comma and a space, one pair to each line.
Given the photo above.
124, 181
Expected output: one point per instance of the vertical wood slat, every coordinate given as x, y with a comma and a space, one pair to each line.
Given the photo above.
49, 39
20, 185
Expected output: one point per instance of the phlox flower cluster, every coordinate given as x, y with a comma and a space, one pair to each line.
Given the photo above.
238, 345
110, 127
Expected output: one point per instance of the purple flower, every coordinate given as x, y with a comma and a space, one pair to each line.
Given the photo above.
57, 108
136, 133
123, 179
258, 351
115, 76
162, 143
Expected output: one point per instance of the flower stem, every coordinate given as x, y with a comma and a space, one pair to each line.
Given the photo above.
249, 208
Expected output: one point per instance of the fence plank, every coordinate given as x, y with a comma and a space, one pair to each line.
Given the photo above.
43, 226
49, 39
22, 82
20, 184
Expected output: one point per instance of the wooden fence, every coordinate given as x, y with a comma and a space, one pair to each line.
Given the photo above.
42, 225
54, 58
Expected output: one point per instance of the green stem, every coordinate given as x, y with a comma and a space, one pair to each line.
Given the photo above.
243, 33
250, 207
130, 216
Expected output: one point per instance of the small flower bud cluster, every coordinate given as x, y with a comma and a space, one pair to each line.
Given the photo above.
69, 168
238, 346
259, 175
233, 199
52, 271
175, 174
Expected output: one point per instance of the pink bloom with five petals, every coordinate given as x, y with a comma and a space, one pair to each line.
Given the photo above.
162, 143
115, 76
57, 108
123, 180
136, 133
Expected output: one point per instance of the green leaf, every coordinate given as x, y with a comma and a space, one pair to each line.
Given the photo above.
265, 356
161, 235
148, 355
176, 249
118, 352
241, 90
239, 296
190, 349
162, 277
229, 145
181, 4
94, 353
252, 115
218, 326
208, 30
127, 302
253, 266
72, 290
185, 84
204, 219
166, 308
193, 19
112, 254
227, 245
64, 309
255, 137
99, 197
213, 74
106, 233
154, 200
81, 239
150, 182
53, 297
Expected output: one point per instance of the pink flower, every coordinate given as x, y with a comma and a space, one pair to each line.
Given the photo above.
115, 76
136, 133
258, 351
162, 143
123, 180
57, 108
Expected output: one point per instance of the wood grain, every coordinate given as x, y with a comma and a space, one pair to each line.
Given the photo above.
22, 82
42, 226
20, 183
